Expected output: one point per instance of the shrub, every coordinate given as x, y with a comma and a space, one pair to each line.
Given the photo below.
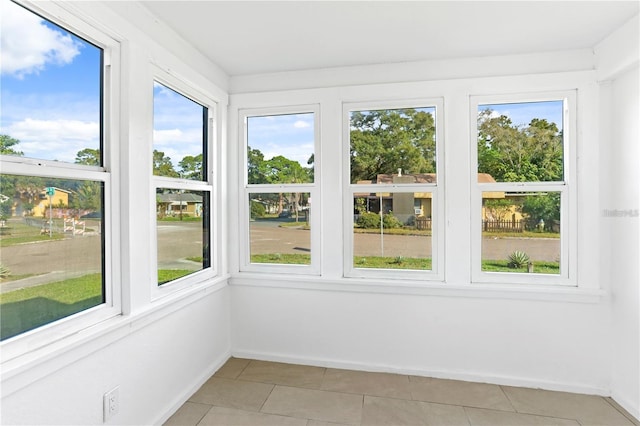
390, 221
257, 209
518, 259
368, 220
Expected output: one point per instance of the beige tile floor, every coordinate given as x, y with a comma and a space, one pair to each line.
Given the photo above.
254, 393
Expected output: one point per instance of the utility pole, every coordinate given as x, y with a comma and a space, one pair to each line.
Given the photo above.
50, 191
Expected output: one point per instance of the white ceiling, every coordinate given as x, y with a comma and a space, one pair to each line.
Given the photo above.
246, 38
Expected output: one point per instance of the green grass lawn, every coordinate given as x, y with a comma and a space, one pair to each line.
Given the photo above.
19, 233
25, 309
166, 275
185, 218
288, 259
28, 308
538, 267
393, 231
398, 262
524, 234
31, 307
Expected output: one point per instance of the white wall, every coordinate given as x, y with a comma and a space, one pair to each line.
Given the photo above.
623, 233
157, 360
617, 59
553, 338
551, 345
165, 344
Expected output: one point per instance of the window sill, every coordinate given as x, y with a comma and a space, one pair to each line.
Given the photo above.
422, 288
33, 365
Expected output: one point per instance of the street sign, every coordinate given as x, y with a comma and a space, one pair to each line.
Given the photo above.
50, 191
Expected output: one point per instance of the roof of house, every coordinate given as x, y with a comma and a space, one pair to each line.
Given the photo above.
176, 198
388, 178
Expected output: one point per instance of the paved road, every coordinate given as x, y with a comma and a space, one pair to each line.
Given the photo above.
177, 241
271, 239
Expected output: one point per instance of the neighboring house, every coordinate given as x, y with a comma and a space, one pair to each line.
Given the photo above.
418, 204
59, 198
172, 204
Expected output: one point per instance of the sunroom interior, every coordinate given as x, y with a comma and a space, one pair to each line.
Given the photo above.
248, 64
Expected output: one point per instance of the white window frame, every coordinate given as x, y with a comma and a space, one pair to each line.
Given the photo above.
208, 184
566, 188
107, 173
437, 272
312, 188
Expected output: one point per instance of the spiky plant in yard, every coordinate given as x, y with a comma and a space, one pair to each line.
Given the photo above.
399, 260
518, 259
4, 271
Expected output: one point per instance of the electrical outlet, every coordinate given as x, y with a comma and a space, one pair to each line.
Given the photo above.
111, 403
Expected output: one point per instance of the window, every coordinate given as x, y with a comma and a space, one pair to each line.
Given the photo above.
183, 187
280, 163
55, 186
394, 194
522, 188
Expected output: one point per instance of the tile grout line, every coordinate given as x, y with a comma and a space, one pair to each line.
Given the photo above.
266, 399
515, 410
466, 413
244, 368
205, 414
621, 410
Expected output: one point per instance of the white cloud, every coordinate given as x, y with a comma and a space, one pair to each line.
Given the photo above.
299, 153
177, 143
54, 139
301, 124
28, 45
173, 136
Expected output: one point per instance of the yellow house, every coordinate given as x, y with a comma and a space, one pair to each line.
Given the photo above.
60, 198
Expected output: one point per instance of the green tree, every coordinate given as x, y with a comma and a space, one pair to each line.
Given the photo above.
162, 165
280, 169
191, 167
88, 196
545, 207
385, 140
7, 144
518, 154
257, 209
498, 209
88, 157
256, 167
29, 189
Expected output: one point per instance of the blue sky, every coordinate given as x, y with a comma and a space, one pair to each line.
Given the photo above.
50, 94
289, 135
522, 113
50, 91
49, 87
177, 124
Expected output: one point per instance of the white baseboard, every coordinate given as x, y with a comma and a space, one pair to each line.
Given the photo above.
183, 396
469, 376
632, 407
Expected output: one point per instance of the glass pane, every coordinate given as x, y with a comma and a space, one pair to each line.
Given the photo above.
51, 246
179, 135
280, 148
521, 232
393, 146
279, 228
400, 237
50, 90
520, 142
182, 233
